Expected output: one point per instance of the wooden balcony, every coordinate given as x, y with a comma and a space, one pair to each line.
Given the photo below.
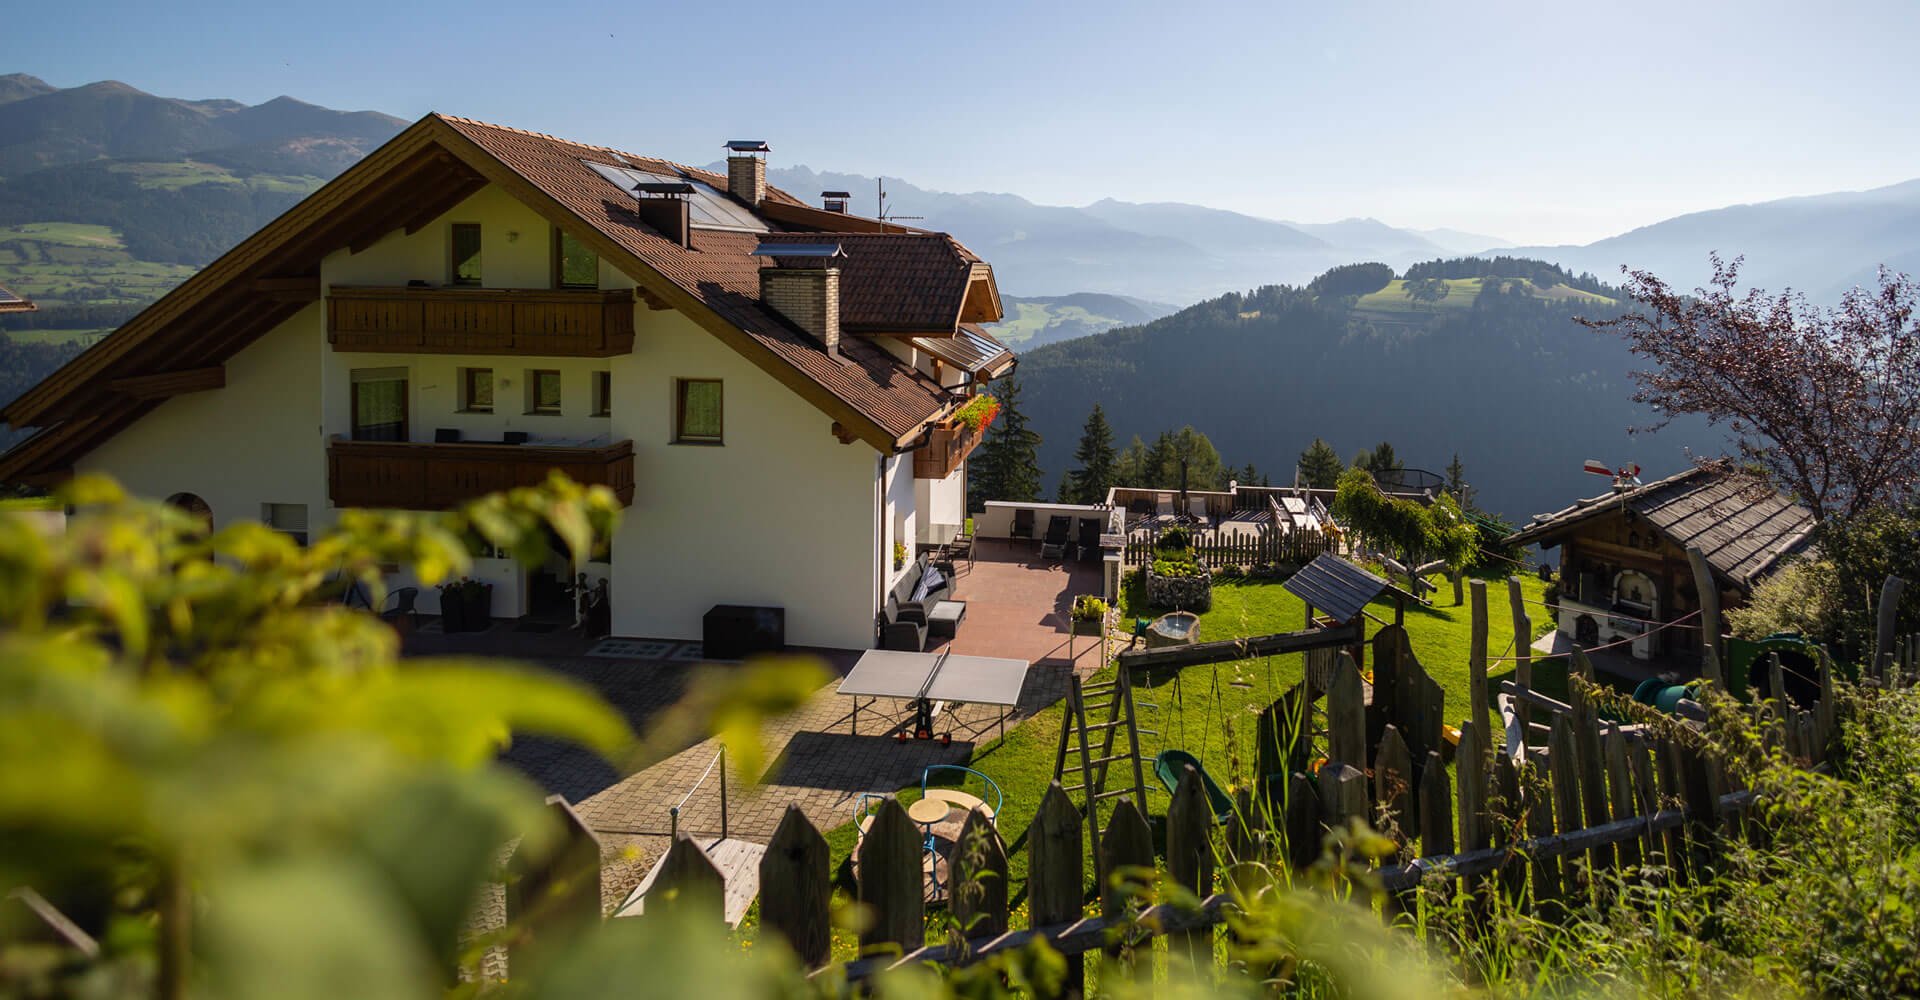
945, 450
417, 476
563, 323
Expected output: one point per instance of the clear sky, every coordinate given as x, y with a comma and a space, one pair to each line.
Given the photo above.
1539, 122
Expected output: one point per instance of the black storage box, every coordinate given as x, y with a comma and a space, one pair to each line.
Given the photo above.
736, 631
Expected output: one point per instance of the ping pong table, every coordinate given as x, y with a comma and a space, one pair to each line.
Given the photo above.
931, 680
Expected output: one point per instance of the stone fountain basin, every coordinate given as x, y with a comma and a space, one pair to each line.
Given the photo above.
1176, 629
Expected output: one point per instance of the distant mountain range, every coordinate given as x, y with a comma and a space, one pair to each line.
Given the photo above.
1033, 322
1820, 244
1491, 367
1164, 251
45, 126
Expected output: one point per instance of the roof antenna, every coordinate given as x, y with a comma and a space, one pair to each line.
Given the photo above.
880, 185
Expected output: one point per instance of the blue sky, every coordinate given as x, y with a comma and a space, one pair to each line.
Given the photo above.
1539, 122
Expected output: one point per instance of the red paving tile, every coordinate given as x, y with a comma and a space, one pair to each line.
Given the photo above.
1018, 605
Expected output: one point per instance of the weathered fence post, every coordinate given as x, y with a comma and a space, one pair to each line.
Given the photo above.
1666, 759
796, 885
1477, 668
1702, 809
1620, 790
1436, 808
1522, 651
1646, 796
553, 895
1393, 784
977, 878
1343, 794
1126, 855
1885, 617
891, 883
1539, 798
1565, 771
1054, 873
689, 887
1347, 714
1509, 825
1712, 657
1190, 859
1302, 820
1591, 761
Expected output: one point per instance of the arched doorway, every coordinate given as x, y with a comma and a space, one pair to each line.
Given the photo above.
192, 504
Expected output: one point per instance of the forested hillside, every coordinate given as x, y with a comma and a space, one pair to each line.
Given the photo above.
1501, 375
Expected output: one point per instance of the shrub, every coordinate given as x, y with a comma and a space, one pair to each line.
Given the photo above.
1175, 539
1088, 608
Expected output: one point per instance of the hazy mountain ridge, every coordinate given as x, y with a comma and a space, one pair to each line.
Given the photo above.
43, 126
1510, 382
1819, 244
1036, 321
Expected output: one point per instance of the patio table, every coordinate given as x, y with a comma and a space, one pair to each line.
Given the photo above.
933, 680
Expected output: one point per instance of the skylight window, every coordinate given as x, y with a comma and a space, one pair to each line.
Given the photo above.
708, 207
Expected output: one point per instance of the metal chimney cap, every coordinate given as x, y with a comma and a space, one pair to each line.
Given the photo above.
748, 146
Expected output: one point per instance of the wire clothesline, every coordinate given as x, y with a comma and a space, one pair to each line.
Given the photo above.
1618, 642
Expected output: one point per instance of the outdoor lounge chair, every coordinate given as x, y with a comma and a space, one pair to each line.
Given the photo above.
1089, 540
1059, 531
1165, 505
403, 610
1022, 524
903, 630
1197, 508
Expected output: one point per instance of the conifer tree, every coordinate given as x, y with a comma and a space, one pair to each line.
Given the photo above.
1457, 482
1320, 466
1007, 465
1090, 482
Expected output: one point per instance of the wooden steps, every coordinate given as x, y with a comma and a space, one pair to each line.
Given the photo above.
739, 864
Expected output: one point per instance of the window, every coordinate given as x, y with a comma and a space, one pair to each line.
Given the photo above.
476, 390
602, 394
379, 404
289, 519
697, 411
543, 391
575, 265
466, 253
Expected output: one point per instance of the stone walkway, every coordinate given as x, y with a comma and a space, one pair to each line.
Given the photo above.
1017, 607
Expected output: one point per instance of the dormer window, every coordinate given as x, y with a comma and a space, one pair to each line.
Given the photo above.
465, 243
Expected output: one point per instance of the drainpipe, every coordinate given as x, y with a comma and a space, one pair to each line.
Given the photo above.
879, 595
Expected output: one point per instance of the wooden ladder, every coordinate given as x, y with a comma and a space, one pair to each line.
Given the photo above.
1115, 697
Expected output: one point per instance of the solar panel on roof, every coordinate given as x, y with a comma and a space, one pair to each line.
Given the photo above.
799, 250
708, 207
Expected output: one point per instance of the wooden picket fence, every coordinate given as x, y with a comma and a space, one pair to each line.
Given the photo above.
1536, 819
1218, 550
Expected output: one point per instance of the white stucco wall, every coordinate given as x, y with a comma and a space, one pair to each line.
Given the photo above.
780, 514
257, 441
943, 506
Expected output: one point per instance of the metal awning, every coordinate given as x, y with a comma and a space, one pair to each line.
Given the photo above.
971, 350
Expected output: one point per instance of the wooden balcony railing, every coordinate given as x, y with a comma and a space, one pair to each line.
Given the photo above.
581, 324
945, 450
414, 476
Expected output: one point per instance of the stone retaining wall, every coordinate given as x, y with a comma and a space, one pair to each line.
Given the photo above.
1181, 593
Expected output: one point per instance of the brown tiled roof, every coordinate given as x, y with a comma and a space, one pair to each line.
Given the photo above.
423, 171
720, 272
896, 282
1743, 526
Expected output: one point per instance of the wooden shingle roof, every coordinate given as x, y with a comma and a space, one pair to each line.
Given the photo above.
1744, 527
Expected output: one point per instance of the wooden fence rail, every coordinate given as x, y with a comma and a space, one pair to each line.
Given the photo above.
1539, 824
1217, 551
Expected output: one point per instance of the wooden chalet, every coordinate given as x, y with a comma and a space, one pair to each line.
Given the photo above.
1623, 555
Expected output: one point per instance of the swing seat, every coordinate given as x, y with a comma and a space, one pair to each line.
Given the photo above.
1169, 765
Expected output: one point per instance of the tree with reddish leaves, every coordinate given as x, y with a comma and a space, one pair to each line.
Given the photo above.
1827, 401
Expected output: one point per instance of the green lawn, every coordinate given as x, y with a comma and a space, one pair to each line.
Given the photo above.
1210, 710
72, 234
55, 262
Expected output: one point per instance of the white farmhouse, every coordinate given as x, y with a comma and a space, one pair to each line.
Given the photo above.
769, 386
